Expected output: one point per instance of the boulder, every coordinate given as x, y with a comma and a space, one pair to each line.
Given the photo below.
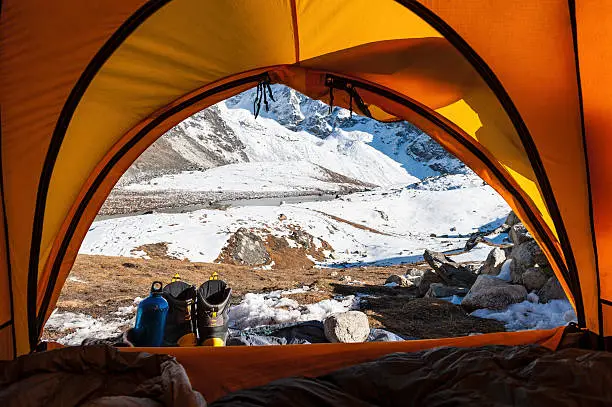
534, 278
439, 290
512, 219
493, 263
401, 281
551, 290
428, 278
347, 327
524, 256
493, 293
518, 234
450, 272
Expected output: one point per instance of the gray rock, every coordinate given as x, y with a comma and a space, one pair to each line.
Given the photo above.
551, 290
401, 281
525, 256
450, 272
534, 278
247, 248
493, 263
428, 278
439, 290
518, 234
512, 219
347, 327
413, 273
472, 267
493, 293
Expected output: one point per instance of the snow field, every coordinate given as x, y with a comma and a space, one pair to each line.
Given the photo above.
405, 218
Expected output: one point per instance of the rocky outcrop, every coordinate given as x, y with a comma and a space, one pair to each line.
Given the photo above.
493, 293
245, 248
347, 327
449, 271
494, 262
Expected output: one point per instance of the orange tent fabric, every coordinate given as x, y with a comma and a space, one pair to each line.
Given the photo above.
515, 89
239, 367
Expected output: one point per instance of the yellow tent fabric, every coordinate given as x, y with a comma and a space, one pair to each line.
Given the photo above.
518, 90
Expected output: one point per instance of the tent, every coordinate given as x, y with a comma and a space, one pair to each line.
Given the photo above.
517, 90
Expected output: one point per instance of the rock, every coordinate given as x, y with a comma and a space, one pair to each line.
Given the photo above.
540, 257
334, 274
493, 263
428, 278
401, 281
347, 327
245, 247
450, 272
493, 293
534, 278
512, 219
414, 272
551, 290
282, 216
439, 290
473, 240
472, 267
347, 279
524, 256
519, 234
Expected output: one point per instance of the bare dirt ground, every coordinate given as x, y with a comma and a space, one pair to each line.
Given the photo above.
99, 285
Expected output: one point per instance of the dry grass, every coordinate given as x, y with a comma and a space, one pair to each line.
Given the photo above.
98, 285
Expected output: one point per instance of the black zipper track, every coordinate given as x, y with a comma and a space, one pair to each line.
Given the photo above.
474, 150
118, 37
254, 79
571, 277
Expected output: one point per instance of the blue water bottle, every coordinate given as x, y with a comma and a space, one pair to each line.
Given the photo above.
151, 318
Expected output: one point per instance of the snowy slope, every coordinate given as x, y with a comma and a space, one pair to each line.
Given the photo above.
287, 176
404, 143
264, 140
296, 129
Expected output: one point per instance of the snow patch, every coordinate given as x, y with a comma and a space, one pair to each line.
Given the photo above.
529, 315
272, 309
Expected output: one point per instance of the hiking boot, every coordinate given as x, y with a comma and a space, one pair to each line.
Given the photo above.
212, 312
179, 322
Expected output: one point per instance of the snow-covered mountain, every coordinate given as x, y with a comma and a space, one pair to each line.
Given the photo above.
300, 135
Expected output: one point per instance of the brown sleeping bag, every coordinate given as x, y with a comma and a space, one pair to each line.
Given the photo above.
95, 376
486, 376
